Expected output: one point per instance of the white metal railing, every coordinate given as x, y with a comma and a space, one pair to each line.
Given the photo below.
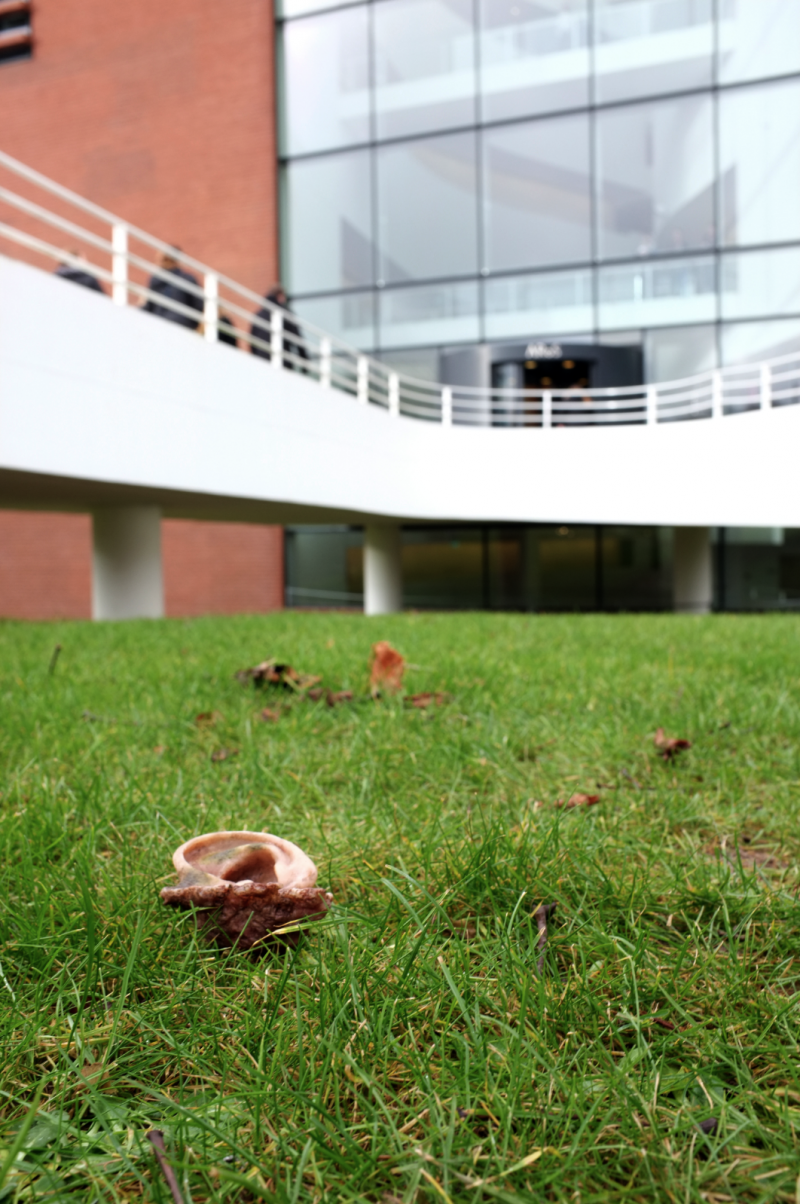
44, 223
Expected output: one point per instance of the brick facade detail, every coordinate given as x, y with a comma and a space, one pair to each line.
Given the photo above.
163, 113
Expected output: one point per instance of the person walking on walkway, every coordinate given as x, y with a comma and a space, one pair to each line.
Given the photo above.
261, 329
167, 283
75, 268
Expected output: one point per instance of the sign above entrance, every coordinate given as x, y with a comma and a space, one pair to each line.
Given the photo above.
543, 351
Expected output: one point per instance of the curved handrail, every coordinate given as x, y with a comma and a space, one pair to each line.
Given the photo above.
107, 245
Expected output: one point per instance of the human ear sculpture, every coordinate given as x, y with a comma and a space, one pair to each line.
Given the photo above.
245, 886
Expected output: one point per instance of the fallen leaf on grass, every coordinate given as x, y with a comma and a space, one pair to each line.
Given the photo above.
314, 695
578, 800
222, 754
668, 746
268, 715
342, 696
273, 673
207, 718
427, 699
160, 749
387, 668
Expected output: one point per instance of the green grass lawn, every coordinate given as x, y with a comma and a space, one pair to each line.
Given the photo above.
407, 1049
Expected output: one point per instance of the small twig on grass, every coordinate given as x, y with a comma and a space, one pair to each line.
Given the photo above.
53, 660
156, 1139
541, 916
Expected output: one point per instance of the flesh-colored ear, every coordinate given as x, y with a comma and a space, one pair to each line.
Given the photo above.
245, 885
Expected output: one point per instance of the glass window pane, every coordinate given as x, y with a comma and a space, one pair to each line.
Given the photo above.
428, 208
757, 38
421, 362
760, 163
648, 46
326, 81
437, 313
537, 194
350, 317
655, 167
657, 294
681, 351
548, 303
758, 284
534, 56
327, 227
748, 342
424, 65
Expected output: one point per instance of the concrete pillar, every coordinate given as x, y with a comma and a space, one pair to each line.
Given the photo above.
127, 582
692, 576
383, 572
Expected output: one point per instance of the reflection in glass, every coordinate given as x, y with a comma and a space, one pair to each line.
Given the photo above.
435, 313
679, 351
327, 239
760, 163
657, 294
637, 563
298, 8
324, 566
655, 167
648, 46
756, 284
424, 65
326, 81
537, 195
428, 210
758, 38
420, 362
548, 303
444, 568
534, 57
351, 317
747, 342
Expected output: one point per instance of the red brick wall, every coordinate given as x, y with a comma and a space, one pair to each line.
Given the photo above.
221, 568
45, 566
163, 113
209, 568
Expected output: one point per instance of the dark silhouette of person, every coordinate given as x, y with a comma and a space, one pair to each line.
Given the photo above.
74, 270
226, 331
261, 329
167, 284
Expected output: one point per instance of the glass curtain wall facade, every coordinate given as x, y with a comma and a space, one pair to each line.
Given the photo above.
619, 171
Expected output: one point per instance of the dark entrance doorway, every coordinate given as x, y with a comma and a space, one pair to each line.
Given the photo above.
556, 374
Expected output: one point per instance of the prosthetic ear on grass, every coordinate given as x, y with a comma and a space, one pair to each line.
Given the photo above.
246, 886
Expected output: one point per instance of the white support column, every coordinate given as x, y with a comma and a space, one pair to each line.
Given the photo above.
362, 379
210, 306
383, 571
394, 394
127, 581
447, 406
325, 363
547, 408
119, 264
276, 337
692, 576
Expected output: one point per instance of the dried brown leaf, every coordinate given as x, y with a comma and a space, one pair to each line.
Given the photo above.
207, 718
269, 715
668, 746
387, 668
342, 696
578, 800
428, 699
222, 754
